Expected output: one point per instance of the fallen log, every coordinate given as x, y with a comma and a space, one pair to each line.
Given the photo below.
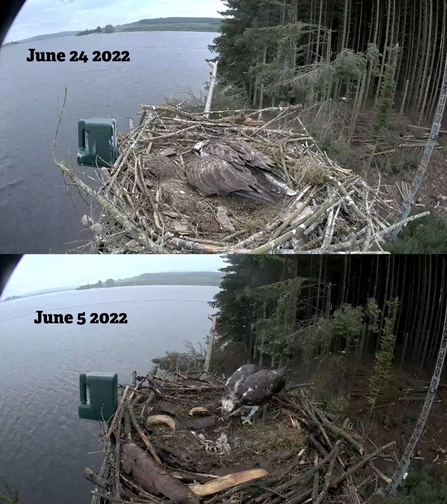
227, 482
154, 479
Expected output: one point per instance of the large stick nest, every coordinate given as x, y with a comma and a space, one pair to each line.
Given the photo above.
148, 207
295, 454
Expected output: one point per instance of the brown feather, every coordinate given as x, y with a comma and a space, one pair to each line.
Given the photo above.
240, 153
213, 175
228, 166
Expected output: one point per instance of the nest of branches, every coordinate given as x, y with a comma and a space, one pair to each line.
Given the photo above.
148, 207
167, 443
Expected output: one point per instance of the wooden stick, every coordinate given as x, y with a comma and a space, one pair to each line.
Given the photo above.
299, 498
209, 98
328, 476
193, 476
118, 413
144, 437
226, 482
318, 445
95, 478
120, 501
315, 486
118, 453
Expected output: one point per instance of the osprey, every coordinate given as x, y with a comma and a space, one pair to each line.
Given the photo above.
227, 166
248, 386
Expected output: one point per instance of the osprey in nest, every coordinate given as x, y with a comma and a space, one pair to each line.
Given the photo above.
248, 386
225, 166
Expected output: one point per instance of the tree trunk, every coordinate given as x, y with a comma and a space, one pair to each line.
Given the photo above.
148, 475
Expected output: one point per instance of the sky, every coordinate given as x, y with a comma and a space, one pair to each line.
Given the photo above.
37, 272
40, 17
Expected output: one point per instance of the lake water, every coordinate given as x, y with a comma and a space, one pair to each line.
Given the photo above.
36, 211
43, 445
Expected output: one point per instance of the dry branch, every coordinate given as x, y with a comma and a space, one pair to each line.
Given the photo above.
228, 481
95, 478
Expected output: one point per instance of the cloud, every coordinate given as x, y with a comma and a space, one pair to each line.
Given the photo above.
39, 17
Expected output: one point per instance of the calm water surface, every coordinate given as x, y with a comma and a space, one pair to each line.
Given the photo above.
43, 445
36, 211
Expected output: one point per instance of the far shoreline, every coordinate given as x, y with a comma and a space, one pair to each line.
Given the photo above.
9, 44
76, 289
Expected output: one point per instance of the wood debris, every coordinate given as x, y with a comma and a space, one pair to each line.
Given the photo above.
298, 454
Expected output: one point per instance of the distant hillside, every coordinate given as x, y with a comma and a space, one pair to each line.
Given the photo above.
172, 24
176, 278
171, 20
48, 36
205, 278
161, 24
40, 292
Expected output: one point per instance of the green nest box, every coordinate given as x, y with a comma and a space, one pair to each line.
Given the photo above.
99, 396
97, 145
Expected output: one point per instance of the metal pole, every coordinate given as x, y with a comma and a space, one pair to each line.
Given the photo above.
404, 463
423, 165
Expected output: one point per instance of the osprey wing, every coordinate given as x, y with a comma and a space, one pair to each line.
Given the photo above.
233, 384
223, 149
215, 175
254, 158
276, 380
261, 386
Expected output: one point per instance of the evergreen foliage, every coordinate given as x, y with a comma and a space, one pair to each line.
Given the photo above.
424, 487
423, 236
385, 102
301, 51
338, 332
274, 307
384, 358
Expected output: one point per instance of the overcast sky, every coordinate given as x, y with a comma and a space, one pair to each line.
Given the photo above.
39, 17
36, 272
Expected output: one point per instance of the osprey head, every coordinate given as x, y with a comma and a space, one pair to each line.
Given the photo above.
197, 148
228, 406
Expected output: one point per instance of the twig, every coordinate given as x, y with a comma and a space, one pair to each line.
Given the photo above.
328, 476
120, 501
143, 437
298, 499
118, 414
